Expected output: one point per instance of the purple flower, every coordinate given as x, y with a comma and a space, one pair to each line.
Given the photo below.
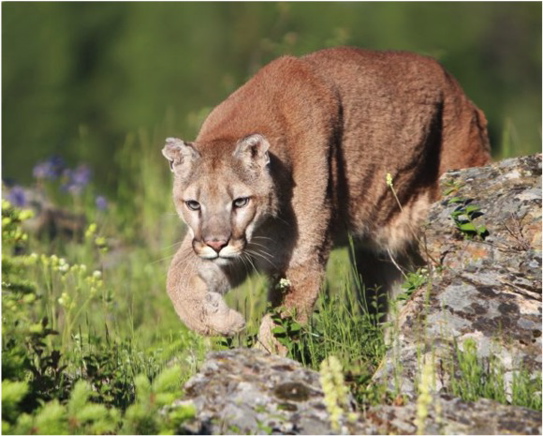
49, 169
76, 180
17, 196
81, 175
101, 202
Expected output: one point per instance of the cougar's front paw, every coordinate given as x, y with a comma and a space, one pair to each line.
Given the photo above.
220, 318
230, 324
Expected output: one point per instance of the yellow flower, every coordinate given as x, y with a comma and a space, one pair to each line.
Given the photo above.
25, 214
335, 391
389, 180
425, 396
91, 230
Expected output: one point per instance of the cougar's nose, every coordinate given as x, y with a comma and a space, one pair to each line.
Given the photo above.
216, 243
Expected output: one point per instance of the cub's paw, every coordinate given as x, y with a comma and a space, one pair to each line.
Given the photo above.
220, 318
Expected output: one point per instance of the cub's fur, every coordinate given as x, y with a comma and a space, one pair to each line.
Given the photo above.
297, 159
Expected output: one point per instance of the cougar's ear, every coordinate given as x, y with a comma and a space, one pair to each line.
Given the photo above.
253, 150
180, 154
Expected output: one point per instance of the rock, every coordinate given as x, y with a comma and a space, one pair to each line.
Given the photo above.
484, 284
450, 415
247, 391
487, 290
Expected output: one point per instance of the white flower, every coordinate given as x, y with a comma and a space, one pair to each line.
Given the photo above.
284, 284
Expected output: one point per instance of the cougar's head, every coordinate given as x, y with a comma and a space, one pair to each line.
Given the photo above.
222, 190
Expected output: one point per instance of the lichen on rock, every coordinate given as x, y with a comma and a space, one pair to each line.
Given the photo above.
487, 290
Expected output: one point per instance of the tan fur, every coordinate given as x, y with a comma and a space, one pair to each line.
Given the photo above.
297, 159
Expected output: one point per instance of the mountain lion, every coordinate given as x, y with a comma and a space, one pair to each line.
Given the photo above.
296, 160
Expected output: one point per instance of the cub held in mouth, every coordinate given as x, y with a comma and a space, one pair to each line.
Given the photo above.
296, 160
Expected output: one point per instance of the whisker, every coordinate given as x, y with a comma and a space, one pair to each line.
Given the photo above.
247, 258
262, 237
162, 259
174, 245
267, 257
263, 251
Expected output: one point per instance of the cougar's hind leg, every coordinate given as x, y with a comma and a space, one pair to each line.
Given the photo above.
381, 274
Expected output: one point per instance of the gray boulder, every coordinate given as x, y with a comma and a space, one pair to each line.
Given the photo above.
247, 391
486, 289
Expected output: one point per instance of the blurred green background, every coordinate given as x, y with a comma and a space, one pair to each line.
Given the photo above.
78, 79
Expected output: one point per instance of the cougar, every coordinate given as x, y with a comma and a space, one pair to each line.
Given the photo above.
296, 160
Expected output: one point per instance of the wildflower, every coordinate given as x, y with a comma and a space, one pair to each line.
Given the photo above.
389, 180
17, 196
101, 243
63, 266
283, 284
25, 214
82, 175
77, 180
32, 259
49, 169
335, 390
424, 399
390, 184
91, 230
64, 300
101, 202
97, 274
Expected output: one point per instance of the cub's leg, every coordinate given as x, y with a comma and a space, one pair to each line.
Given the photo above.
195, 287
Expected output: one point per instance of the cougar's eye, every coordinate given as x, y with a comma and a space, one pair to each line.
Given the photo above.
240, 202
192, 204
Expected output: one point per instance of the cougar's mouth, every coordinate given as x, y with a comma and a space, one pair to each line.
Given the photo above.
217, 252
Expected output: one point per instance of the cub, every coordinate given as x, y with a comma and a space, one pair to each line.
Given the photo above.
296, 160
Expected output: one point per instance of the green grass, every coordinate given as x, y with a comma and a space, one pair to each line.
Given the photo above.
87, 321
477, 377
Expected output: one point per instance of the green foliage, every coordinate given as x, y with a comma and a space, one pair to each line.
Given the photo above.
287, 330
59, 375
413, 281
12, 394
476, 377
338, 327
153, 411
526, 389
82, 415
463, 217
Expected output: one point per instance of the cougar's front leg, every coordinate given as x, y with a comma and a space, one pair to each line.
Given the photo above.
195, 287
294, 294
294, 289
